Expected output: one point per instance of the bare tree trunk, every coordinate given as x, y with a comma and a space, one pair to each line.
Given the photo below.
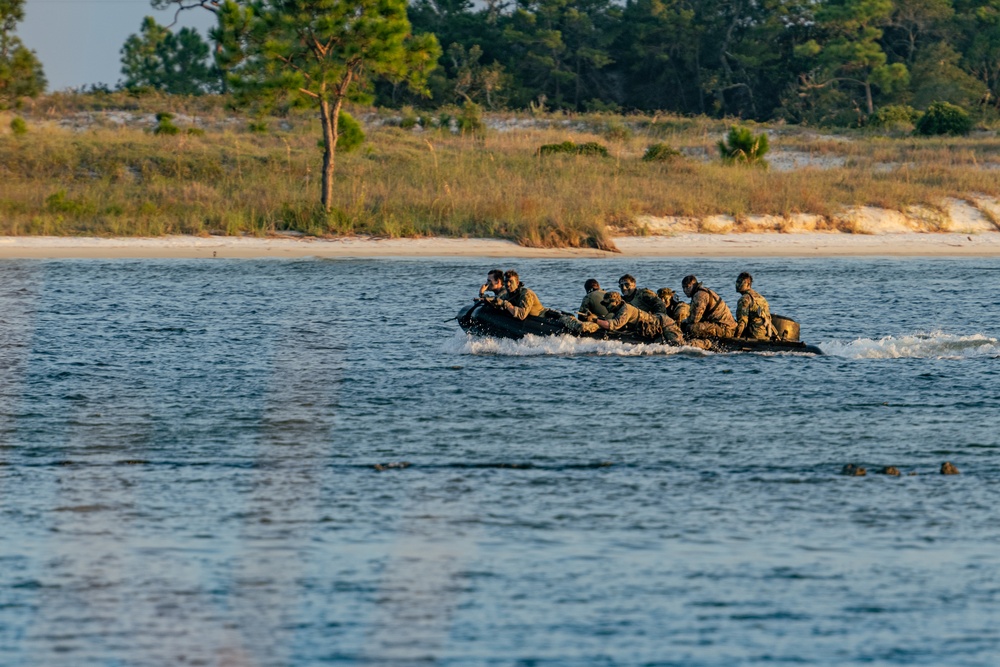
868, 98
330, 118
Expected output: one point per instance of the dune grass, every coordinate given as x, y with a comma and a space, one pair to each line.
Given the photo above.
226, 179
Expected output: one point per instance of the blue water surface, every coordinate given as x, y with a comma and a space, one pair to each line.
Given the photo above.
188, 455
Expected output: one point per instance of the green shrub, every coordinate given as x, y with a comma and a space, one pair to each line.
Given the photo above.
18, 126
470, 121
409, 119
350, 133
258, 127
617, 131
944, 118
568, 147
164, 124
893, 115
592, 148
444, 121
660, 153
58, 202
742, 147
196, 132
551, 149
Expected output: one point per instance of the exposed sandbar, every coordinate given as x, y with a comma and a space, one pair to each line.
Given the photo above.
814, 244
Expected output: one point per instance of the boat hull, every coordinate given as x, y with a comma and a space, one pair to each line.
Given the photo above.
480, 319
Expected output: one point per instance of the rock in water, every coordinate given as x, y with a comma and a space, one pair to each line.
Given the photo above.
948, 469
890, 470
853, 470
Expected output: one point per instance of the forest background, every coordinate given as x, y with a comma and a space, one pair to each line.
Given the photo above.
646, 73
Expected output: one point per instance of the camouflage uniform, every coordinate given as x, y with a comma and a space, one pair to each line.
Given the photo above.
525, 303
710, 316
629, 318
676, 309
498, 296
646, 300
753, 316
576, 326
592, 306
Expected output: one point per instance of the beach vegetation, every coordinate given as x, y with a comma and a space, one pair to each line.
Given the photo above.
660, 152
742, 146
165, 124
894, 116
944, 118
572, 148
92, 167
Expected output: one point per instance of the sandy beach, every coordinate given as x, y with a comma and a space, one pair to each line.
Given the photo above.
815, 244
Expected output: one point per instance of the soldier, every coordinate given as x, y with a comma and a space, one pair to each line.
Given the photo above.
520, 301
590, 310
710, 316
494, 283
753, 314
624, 316
676, 308
643, 299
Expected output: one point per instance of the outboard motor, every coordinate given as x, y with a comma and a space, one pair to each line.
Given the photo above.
787, 328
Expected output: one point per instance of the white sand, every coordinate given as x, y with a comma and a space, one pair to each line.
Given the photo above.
809, 244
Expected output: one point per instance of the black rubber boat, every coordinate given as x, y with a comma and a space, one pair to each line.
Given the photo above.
481, 319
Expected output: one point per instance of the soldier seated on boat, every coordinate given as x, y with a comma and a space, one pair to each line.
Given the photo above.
623, 316
590, 310
520, 301
753, 314
676, 308
644, 299
710, 316
494, 283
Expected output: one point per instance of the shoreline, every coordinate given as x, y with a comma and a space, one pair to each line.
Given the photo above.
810, 244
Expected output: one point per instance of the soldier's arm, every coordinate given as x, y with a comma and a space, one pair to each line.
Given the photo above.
742, 315
615, 322
519, 311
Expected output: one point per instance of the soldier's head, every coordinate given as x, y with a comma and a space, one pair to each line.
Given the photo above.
743, 282
494, 279
627, 284
512, 280
688, 284
666, 294
612, 300
591, 285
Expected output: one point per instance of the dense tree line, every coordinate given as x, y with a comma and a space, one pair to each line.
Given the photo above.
816, 61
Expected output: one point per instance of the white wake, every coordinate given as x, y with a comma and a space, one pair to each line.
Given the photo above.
533, 346
916, 346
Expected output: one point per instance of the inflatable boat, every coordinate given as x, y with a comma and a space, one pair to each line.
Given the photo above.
482, 319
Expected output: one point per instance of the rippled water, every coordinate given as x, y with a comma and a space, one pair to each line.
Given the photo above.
188, 456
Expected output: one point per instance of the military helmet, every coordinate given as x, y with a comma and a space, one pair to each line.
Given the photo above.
611, 300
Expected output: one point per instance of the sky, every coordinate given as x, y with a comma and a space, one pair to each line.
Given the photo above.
79, 41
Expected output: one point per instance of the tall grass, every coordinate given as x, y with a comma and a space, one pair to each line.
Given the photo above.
229, 180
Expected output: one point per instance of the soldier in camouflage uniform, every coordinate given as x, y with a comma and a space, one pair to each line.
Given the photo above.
753, 314
710, 316
494, 283
590, 310
521, 301
676, 308
624, 316
643, 299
